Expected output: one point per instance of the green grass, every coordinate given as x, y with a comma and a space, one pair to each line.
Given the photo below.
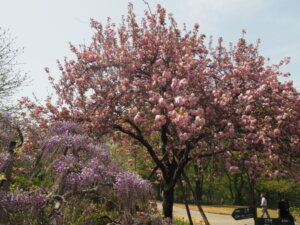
180, 222
184, 221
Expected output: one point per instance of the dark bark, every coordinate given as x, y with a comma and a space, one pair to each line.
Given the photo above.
238, 185
168, 200
185, 202
229, 184
252, 197
196, 199
139, 137
199, 188
198, 183
171, 167
239, 190
188, 211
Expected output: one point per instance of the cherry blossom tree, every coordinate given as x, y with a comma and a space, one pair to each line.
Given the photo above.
162, 88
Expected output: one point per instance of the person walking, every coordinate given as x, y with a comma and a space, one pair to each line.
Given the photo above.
264, 206
284, 208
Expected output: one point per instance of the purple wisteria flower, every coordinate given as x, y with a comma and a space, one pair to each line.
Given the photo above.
132, 190
79, 168
64, 141
22, 200
64, 164
62, 127
5, 159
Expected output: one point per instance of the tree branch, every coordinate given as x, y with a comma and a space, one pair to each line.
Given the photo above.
141, 139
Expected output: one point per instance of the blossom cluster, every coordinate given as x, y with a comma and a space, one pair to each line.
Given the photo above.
5, 159
23, 200
132, 189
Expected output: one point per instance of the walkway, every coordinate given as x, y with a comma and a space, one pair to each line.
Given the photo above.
214, 219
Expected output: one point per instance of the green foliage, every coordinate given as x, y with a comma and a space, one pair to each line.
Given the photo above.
133, 159
295, 211
282, 186
27, 177
180, 222
82, 212
275, 188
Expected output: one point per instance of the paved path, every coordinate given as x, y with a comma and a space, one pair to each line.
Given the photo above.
214, 219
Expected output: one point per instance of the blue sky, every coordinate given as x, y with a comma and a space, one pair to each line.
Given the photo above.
45, 27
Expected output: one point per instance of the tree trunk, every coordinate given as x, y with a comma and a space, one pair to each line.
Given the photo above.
252, 198
199, 184
199, 188
230, 185
237, 190
188, 211
168, 200
196, 199
185, 202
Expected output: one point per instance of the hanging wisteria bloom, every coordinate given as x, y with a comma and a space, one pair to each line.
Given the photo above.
79, 169
132, 190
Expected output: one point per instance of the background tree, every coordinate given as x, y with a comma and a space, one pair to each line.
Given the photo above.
162, 88
11, 79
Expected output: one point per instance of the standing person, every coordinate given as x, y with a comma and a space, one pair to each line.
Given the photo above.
284, 208
264, 206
